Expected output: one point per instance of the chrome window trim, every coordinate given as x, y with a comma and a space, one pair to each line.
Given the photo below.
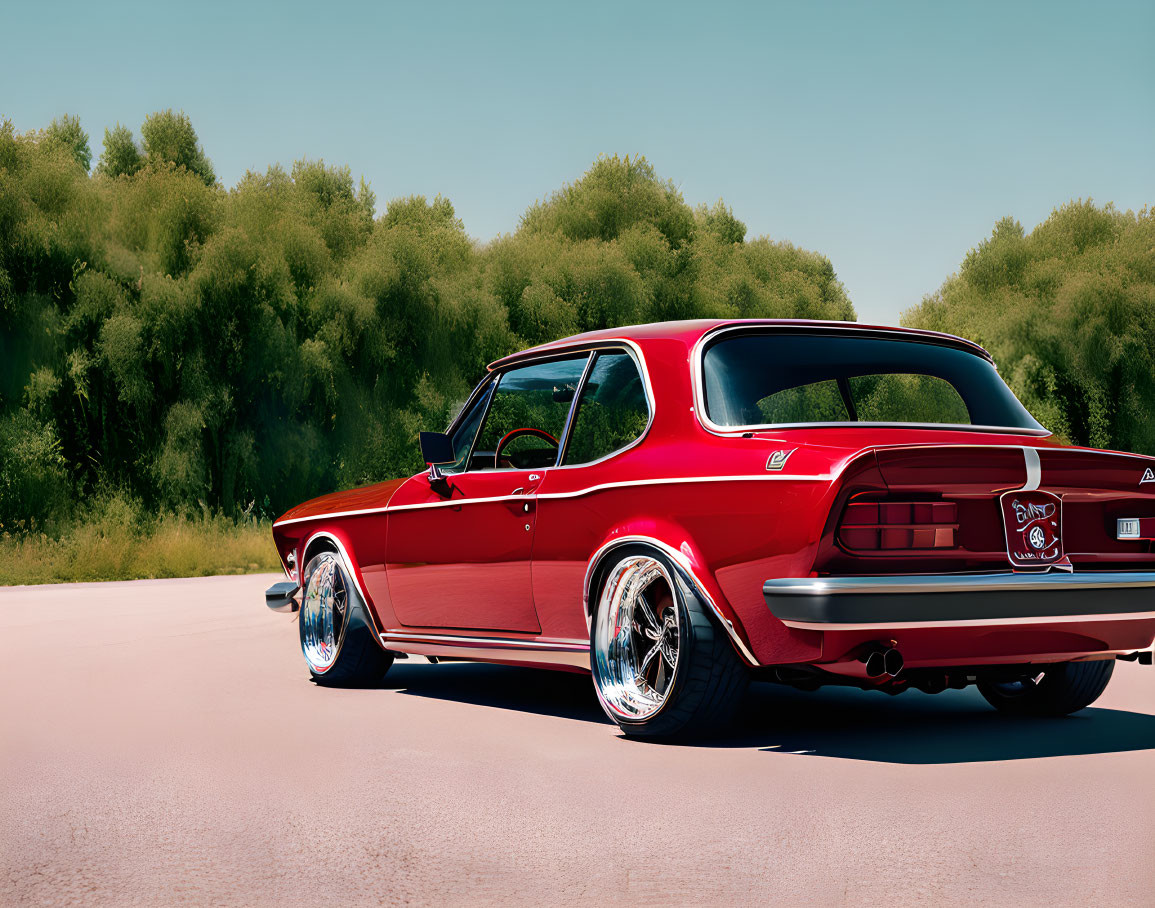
485, 383
698, 380
456, 421
496, 378
573, 407
590, 348
649, 408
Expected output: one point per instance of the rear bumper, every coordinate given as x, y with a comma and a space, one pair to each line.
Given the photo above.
932, 601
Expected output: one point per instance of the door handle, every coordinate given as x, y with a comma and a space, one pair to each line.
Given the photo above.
519, 490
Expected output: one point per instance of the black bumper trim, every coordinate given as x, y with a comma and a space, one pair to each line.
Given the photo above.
280, 596
938, 600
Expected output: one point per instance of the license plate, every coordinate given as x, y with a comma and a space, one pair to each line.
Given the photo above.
1033, 524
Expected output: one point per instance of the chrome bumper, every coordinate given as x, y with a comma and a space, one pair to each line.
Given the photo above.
941, 600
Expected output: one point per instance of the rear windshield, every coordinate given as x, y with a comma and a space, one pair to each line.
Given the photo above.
782, 379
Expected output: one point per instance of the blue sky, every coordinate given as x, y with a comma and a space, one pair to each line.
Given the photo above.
889, 136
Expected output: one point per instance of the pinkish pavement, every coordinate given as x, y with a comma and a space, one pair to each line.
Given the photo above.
161, 744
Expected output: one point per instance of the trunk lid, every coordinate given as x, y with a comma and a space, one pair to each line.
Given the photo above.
966, 506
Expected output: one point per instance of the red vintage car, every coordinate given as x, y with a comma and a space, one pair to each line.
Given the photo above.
677, 508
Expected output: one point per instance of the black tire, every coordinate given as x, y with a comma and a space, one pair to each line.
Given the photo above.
1064, 688
359, 659
709, 679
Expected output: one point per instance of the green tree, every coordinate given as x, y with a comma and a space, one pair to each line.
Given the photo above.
169, 138
1067, 311
67, 131
121, 155
187, 344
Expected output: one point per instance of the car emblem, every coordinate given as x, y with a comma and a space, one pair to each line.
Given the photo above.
778, 459
1148, 476
1032, 521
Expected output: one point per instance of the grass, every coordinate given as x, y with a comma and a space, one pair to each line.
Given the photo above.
114, 540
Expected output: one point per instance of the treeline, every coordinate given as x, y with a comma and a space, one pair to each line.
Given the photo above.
239, 350
1068, 311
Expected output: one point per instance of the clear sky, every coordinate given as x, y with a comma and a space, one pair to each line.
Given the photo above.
889, 136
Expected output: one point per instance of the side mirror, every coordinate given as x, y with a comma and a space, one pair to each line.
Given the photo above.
436, 449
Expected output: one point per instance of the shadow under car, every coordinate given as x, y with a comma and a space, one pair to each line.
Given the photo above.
913, 728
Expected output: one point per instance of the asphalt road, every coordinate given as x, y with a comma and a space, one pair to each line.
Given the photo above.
160, 743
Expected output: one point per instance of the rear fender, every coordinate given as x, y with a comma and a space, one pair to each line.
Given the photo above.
675, 543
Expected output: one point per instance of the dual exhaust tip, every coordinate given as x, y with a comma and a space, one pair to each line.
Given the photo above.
881, 662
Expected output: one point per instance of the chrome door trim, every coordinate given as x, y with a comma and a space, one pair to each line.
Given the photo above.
559, 643
574, 653
576, 493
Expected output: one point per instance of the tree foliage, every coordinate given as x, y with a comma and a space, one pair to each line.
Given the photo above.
121, 155
1067, 311
67, 131
194, 345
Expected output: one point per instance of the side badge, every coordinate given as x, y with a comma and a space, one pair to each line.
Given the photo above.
1148, 476
778, 459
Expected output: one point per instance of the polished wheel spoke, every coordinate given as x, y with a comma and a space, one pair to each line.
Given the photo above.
636, 638
324, 610
657, 648
648, 614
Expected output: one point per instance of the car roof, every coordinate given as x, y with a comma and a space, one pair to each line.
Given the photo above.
693, 330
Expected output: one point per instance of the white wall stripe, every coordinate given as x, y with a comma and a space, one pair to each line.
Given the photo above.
1034, 470
589, 490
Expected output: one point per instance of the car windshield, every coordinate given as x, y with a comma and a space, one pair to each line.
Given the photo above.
757, 379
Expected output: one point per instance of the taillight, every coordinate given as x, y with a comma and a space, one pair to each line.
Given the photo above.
872, 526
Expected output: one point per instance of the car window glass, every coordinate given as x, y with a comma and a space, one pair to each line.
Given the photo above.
907, 398
612, 411
819, 401
767, 378
536, 398
466, 431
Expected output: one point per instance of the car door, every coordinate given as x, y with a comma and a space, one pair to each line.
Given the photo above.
460, 557
585, 497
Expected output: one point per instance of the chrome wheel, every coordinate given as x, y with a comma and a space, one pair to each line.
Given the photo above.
636, 639
324, 612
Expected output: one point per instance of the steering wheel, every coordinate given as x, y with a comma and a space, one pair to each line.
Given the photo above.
517, 433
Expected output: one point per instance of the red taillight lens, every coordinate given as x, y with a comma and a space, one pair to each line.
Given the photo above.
898, 525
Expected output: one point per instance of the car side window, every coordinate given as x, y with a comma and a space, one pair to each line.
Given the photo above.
466, 431
613, 410
527, 418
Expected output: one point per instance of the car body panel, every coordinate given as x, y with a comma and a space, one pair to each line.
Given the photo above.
464, 562
732, 509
